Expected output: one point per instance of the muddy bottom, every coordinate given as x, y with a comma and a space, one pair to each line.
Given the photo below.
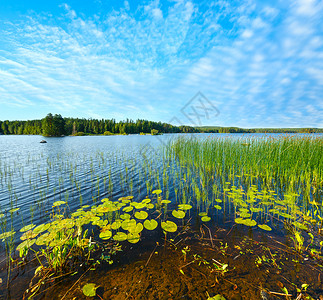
201, 265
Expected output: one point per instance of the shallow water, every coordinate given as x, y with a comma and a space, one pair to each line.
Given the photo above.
83, 170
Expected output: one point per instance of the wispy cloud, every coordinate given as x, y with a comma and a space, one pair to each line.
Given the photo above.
260, 64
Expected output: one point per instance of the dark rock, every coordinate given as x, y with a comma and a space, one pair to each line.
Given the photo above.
43, 142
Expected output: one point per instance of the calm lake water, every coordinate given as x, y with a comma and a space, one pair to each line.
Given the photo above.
79, 169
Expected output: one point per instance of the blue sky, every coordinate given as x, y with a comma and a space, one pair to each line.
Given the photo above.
259, 63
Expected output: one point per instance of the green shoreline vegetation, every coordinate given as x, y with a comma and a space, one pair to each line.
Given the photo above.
56, 125
267, 184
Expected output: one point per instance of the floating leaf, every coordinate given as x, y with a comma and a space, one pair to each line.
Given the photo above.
41, 228
28, 235
238, 220
128, 223
264, 227
14, 210
128, 209
105, 235
202, 214
1, 216
58, 203
217, 206
146, 201
157, 192
141, 215
6, 235
116, 224
179, 214
218, 200
169, 226
43, 239
136, 228
125, 216
205, 219
89, 290
247, 222
120, 236
245, 215
25, 244
184, 206
255, 209
133, 238
150, 206
165, 201
27, 228
138, 205
217, 297
150, 224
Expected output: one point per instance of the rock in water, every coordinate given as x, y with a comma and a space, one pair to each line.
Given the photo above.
43, 142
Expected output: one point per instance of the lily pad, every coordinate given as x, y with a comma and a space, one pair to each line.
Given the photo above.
184, 206
165, 201
179, 214
41, 228
150, 224
244, 214
14, 210
43, 239
25, 244
89, 290
150, 206
125, 216
133, 238
217, 297
247, 222
142, 215
128, 209
6, 235
105, 235
128, 223
264, 227
136, 228
169, 226
28, 235
205, 219
138, 205
157, 192
27, 228
116, 224
218, 207
202, 214
58, 203
120, 236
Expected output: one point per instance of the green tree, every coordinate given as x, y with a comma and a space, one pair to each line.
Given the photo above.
53, 125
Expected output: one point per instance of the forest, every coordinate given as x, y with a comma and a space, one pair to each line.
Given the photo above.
56, 125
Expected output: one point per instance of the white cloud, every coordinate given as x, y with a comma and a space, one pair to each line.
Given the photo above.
259, 64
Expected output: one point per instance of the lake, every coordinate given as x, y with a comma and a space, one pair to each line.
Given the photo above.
225, 200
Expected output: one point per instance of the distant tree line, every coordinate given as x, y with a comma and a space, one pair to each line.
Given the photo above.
56, 125
210, 129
